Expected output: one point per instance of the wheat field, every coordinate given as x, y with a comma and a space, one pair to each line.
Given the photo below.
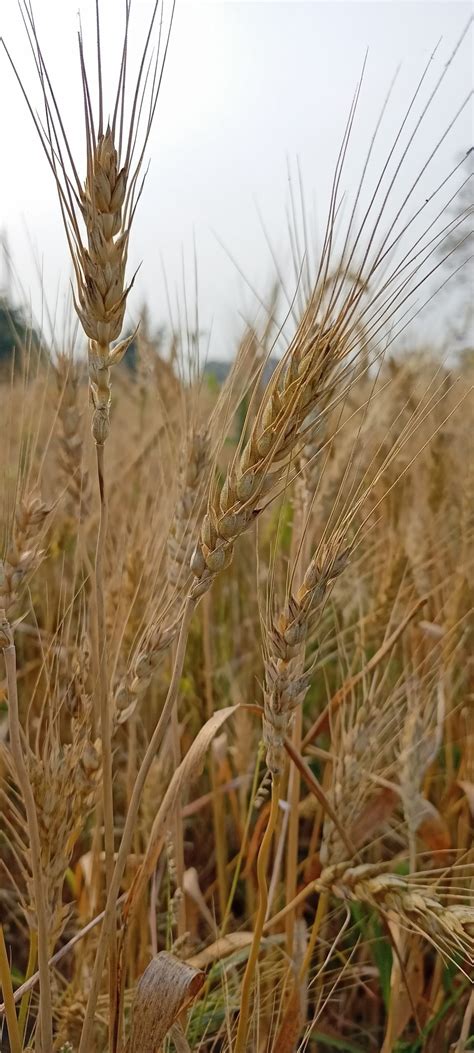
236, 692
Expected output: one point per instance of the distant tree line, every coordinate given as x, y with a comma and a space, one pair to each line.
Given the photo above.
16, 333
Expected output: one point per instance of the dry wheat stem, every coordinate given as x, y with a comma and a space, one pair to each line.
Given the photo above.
299, 546
262, 864
217, 813
106, 205
104, 713
45, 1030
13, 1029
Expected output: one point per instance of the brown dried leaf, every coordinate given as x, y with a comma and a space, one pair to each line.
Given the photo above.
468, 790
184, 775
165, 988
377, 810
180, 1041
290, 1028
221, 948
432, 828
407, 983
296, 1009
192, 889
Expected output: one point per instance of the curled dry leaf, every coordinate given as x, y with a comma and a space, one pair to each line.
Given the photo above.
184, 775
221, 948
192, 889
165, 988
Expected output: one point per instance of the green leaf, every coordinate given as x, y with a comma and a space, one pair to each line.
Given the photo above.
382, 954
337, 1043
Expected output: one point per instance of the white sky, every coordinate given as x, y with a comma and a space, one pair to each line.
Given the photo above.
247, 86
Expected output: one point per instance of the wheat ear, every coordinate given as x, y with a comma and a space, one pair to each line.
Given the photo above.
286, 683
420, 908
24, 553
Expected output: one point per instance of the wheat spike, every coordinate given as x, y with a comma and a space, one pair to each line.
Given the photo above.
23, 554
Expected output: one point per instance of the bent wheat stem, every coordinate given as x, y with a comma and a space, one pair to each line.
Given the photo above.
260, 919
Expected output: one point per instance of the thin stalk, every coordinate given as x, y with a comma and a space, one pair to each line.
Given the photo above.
45, 1031
29, 984
262, 864
30, 968
7, 988
322, 720
319, 917
298, 561
127, 836
217, 803
243, 845
294, 788
105, 726
177, 833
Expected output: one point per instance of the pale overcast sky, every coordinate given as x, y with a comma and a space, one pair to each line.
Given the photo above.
247, 87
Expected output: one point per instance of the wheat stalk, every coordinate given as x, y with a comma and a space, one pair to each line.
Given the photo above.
45, 1037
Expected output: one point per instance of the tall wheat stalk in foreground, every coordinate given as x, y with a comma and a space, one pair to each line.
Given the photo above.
319, 393
104, 204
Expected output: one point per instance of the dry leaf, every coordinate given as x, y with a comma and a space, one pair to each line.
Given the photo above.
221, 948
165, 988
431, 827
180, 1041
406, 982
192, 889
184, 775
289, 1031
378, 809
296, 1009
468, 789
